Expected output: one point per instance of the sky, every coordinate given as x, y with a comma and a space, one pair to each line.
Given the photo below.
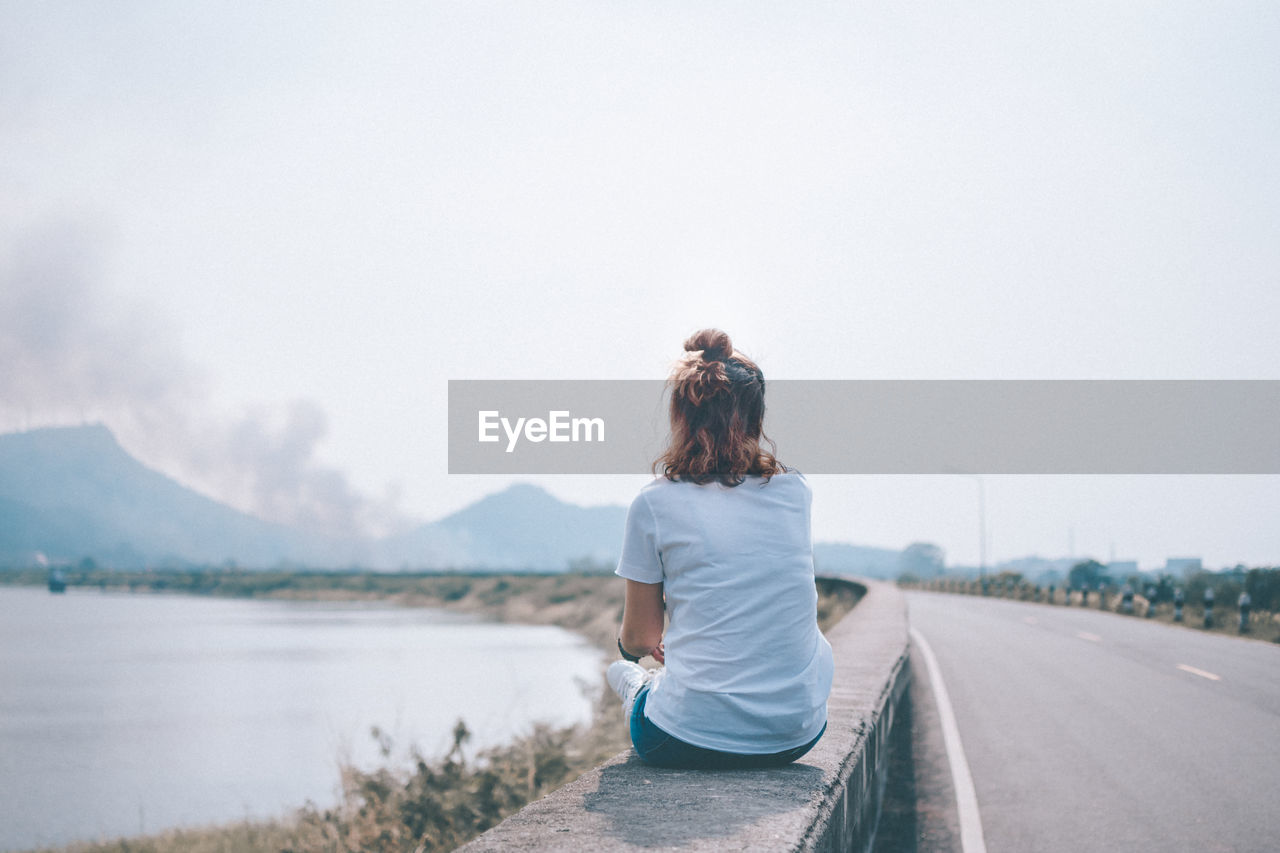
257, 240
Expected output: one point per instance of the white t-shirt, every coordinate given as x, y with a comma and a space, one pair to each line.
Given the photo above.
747, 669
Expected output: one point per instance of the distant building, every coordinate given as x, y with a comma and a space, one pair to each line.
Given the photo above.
1122, 569
1182, 565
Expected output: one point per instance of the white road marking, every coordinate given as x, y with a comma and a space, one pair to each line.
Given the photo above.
971, 838
1085, 635
1200, 672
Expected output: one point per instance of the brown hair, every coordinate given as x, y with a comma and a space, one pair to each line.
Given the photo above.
717, 415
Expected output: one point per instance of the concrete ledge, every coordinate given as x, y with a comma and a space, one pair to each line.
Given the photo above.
828, 800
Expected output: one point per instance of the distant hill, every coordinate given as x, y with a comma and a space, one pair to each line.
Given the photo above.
525, 527
1040, 569
521, 527
840, 558
73, 492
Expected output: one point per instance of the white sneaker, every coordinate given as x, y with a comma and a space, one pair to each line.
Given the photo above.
626, 679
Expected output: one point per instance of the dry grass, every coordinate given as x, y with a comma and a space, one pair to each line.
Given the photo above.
266, 836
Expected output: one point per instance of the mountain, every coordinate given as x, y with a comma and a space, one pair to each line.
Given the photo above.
522, 527
73, 492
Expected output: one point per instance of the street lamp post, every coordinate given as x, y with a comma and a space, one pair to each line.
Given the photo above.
982, 522
982, 527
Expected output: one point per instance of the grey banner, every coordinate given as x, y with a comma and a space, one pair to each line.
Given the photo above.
886, 426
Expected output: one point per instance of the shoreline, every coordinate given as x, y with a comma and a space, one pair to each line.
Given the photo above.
588, 604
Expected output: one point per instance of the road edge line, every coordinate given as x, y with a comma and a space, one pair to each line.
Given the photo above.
971, 837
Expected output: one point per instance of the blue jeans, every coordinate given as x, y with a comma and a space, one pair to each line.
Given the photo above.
654, 746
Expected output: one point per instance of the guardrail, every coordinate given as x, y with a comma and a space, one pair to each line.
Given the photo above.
828, 800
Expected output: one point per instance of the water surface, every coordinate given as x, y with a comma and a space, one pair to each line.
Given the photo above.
125, 713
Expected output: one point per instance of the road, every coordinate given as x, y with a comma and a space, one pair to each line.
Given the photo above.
1090, 731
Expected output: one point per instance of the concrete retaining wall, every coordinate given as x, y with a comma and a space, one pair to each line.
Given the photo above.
828, 800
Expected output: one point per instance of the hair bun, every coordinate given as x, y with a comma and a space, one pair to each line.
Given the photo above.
714, 344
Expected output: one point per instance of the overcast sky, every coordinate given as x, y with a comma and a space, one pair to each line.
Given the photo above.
258, 239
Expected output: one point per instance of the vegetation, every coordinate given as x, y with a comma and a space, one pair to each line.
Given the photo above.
1150, 593
434, 806
437, 804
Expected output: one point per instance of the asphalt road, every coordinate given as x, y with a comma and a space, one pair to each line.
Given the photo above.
1089, 731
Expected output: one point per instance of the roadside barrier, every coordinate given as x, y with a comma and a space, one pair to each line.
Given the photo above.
828, 800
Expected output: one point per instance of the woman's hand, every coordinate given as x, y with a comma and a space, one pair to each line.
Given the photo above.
659, 654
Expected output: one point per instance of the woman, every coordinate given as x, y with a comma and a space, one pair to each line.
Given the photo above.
723, 538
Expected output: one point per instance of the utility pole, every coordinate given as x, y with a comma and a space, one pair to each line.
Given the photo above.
982, 527
982, 521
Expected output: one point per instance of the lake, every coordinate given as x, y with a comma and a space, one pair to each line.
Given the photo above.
122, 714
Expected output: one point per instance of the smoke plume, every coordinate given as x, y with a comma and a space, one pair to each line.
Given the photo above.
71, 353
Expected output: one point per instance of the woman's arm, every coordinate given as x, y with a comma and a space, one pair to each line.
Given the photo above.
643, 615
